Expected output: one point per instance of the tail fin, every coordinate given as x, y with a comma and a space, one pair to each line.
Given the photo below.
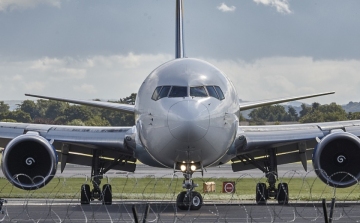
179, 51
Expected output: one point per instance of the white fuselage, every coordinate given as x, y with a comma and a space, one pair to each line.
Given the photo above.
186, 128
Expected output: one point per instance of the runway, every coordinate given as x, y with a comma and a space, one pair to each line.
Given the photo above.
231, 210
66, 211
225, 171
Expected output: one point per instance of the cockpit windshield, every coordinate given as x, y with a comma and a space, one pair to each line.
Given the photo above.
182, 91
198, 91
177, 91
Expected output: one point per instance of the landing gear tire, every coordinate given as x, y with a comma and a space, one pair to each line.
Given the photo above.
107, 194
283, 193
192, 202
196, 200
181, 202
85, 194
261, 193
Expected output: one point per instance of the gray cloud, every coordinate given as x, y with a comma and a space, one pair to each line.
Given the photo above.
117, 76
10, 5
97, 49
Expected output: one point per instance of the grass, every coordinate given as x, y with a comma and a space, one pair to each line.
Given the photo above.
300, 189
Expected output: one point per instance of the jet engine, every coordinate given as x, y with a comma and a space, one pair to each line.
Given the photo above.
336, 159
29, 161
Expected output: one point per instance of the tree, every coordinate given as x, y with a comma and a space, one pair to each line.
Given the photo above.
41, 107
324, 113
353, 115
8, 120
97, 121
241, 118
293, 116
304, 110
129, 100
80, 112
19, 116
76, 122
4, 108
55, 109
269, 113
29, 106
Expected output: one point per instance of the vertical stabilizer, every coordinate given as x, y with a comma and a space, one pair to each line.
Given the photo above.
180, 52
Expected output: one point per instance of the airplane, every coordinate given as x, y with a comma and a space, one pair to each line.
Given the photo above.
186, 119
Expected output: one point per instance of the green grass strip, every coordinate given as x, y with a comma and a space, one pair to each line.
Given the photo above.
301, 189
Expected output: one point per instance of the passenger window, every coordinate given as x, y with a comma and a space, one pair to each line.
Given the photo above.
178, 92
164, 92
212, 91
198, 91
220, 93
156, 93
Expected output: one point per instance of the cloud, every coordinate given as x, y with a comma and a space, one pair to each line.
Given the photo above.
34, 86
85, 88
224, 8
117, 76
105, 77
281, 6
10, 5
59, 68
276, 77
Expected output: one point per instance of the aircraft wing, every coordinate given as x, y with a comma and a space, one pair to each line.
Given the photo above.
291, 143
75, 144
100, 104
255, 104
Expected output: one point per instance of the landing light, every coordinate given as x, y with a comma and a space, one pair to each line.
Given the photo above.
183, 168
193, 167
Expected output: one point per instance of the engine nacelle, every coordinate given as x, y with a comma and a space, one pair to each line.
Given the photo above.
29, 161
336, 159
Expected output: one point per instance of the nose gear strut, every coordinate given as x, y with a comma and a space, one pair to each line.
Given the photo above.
189, 199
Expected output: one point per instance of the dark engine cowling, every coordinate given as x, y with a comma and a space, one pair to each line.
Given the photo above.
29, 161
336, 159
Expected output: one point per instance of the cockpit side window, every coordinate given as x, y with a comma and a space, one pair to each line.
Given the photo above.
160, 92
164, 92
177, 91
212, 92
220, 93
156, 93
198, 91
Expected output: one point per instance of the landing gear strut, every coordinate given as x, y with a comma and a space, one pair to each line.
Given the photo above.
263, 193
189, 199
269, 166
97, 171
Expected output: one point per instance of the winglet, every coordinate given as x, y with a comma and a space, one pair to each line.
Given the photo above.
179, 45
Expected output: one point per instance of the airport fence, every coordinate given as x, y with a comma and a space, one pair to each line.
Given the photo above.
153, 199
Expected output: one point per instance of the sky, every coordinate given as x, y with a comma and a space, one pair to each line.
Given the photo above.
87, 49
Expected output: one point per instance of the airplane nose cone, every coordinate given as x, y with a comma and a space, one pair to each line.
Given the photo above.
188, 121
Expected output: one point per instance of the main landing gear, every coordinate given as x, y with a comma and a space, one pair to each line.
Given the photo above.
269, 167
189, 199
97, 171
281, 192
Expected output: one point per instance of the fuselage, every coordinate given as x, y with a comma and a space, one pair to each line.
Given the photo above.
186, 111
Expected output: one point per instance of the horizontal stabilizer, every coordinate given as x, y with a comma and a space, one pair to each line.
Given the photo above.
100, 104
255, 104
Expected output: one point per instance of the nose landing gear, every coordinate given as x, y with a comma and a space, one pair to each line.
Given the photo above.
189, 199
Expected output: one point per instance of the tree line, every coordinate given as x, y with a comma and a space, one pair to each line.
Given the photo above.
63, 113
308, 114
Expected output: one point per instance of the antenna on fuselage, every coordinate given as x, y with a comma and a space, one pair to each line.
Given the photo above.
179, 48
